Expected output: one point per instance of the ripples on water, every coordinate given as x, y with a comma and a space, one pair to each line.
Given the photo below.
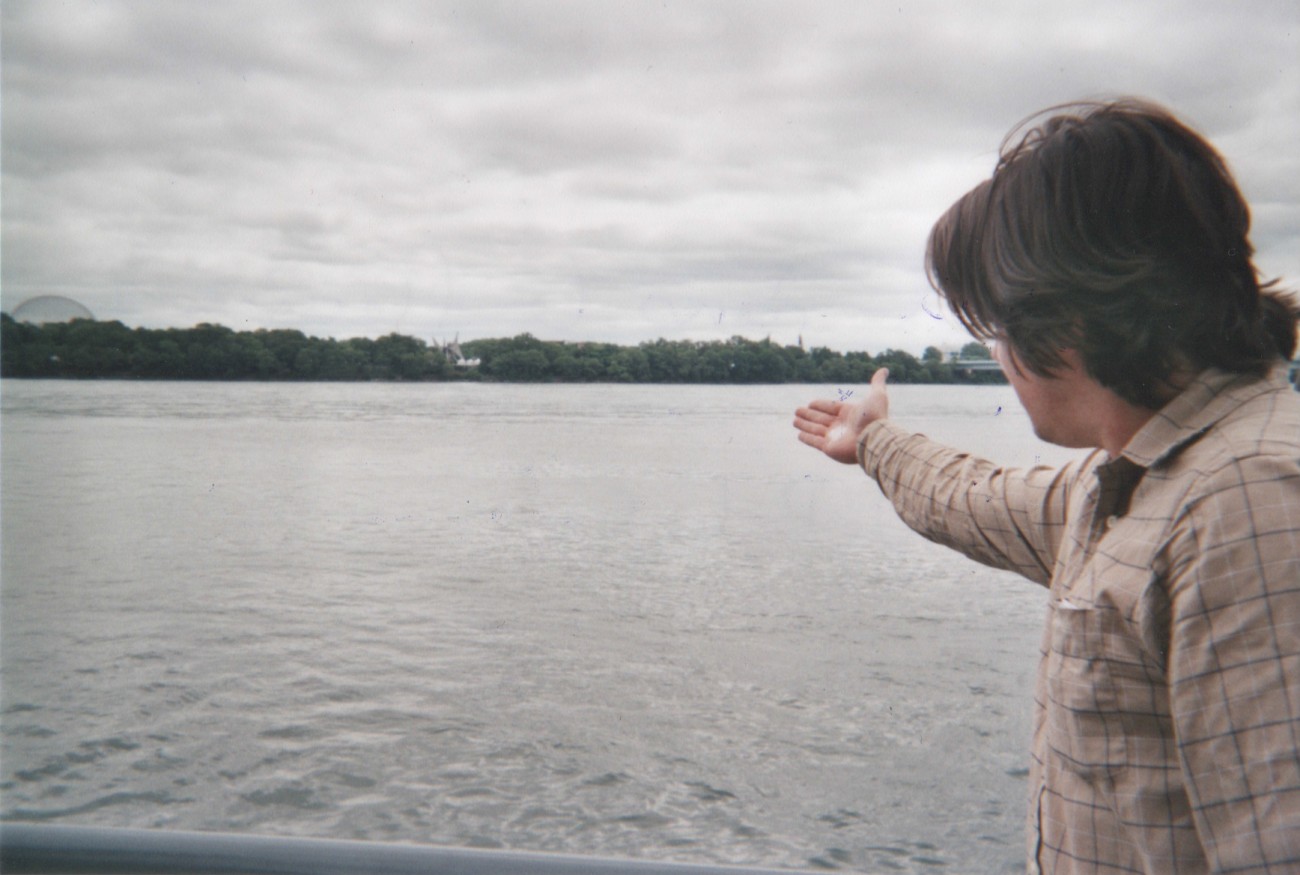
636, 621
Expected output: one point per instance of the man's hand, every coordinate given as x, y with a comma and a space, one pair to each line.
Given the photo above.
834, 426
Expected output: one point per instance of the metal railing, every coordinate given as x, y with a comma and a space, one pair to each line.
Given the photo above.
43, 848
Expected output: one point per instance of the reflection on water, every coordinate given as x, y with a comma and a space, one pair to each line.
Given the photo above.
636, 621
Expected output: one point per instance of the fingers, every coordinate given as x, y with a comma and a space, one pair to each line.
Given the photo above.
823, 412
830, 426
810, 427
825, 405
814, 441
817, 412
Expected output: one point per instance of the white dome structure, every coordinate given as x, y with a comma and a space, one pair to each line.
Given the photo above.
50, 308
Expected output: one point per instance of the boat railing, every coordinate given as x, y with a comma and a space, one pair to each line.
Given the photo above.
86, 850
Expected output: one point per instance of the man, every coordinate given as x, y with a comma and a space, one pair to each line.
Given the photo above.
1109, 263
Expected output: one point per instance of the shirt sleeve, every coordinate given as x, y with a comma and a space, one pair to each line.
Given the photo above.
1007, 518
1234, 664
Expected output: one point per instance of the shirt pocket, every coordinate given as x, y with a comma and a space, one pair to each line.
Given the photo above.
1085, 726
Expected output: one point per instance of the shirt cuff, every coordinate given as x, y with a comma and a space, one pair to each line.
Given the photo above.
872, 442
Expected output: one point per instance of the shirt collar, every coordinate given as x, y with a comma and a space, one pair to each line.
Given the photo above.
1212, 395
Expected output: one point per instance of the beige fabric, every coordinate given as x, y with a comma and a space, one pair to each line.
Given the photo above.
1167, 704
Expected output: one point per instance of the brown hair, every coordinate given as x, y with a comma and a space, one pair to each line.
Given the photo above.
1115, 230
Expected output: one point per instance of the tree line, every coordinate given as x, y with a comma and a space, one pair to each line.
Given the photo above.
88, 349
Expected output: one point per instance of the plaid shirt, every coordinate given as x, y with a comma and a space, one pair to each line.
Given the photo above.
1167, 704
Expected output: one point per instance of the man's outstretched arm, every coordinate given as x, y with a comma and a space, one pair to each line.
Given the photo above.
1009, 519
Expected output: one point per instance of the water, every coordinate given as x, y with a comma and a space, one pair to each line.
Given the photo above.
633, 621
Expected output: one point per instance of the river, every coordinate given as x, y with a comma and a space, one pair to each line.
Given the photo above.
635, 621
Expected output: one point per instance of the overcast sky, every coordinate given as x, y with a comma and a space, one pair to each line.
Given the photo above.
614, 171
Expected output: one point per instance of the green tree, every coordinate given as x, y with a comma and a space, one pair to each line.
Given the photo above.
344, 361
672, 361
159, 356
715, 363
629, 366
522, 366
86, 348
284, 345
398, 357
758, 362
903, 366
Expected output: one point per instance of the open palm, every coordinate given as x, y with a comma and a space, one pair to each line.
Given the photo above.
834, 426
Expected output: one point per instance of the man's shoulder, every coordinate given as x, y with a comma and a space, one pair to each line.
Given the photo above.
1263, 419
1257, 437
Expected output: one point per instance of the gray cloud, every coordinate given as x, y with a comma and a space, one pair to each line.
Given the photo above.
577, 170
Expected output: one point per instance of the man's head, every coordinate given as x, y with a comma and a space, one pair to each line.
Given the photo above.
1115, 231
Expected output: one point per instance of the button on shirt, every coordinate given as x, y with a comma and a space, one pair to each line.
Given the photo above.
1167, 703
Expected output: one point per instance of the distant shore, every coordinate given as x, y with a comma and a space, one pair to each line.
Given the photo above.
88, 349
